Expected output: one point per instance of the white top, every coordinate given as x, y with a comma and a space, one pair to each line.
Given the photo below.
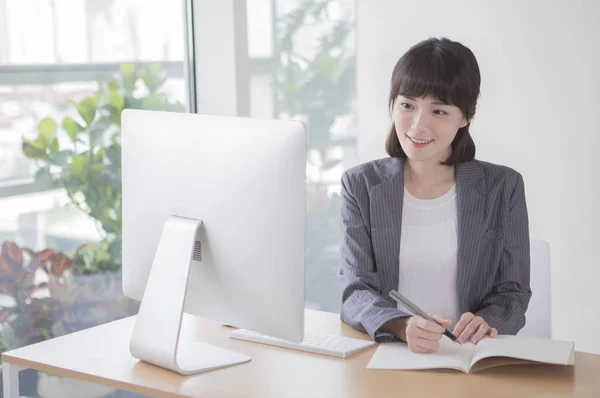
428, 254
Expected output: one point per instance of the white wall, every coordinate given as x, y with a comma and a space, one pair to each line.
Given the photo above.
539, 113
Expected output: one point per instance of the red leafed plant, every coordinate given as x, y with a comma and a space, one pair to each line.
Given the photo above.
41, 298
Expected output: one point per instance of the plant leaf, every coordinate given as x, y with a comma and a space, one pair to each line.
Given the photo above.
110, 226
153, 77
60, 263
33, 149
116, 100
61, 158
113, 86
78, 166
97, 131
53, 147
129, 77
72, 128
87, 110
157, 101
46, 254
99, 157
43, 176
127, 68
47, 130
113, 153
12, 254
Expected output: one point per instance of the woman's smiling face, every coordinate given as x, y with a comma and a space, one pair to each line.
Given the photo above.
426, 127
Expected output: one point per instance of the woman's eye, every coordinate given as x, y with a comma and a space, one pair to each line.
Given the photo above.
405, 105
440, 112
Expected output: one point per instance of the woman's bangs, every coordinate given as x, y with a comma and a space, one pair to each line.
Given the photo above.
428, 78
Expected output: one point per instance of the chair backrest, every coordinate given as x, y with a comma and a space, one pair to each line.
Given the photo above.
538, 315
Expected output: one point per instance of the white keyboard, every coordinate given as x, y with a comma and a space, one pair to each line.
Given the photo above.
325, 344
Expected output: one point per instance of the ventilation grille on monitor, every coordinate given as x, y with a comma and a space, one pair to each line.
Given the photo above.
197, 255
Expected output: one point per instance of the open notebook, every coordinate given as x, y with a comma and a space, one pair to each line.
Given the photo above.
469, 358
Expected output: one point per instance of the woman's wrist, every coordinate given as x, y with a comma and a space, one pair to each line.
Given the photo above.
397, 327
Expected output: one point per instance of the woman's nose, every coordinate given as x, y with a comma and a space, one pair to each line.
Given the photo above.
420, 121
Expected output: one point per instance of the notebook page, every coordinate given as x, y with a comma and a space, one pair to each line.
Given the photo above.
529, 348
451, 355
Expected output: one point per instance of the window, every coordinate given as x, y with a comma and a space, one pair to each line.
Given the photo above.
303, 67
67, 68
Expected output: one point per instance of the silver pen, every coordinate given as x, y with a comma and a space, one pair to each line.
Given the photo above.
417, 311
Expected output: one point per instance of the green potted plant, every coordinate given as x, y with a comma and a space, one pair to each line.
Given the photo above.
82, 154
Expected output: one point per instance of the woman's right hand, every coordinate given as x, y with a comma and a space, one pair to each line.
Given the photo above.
424, 336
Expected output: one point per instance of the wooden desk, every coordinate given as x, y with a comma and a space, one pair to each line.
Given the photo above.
101, 355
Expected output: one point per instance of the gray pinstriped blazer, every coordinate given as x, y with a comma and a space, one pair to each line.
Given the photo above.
493, 244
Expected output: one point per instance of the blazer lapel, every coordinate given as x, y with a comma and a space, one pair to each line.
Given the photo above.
386, 224
470, 214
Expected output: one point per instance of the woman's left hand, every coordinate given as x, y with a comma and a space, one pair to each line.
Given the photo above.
474, 328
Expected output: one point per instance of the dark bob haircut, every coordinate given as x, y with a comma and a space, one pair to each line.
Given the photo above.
447, 71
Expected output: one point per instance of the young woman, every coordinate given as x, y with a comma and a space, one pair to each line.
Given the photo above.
447, 231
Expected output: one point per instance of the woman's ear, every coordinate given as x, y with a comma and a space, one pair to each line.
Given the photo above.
465, 122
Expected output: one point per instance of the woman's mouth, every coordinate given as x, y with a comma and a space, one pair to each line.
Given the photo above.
419, 143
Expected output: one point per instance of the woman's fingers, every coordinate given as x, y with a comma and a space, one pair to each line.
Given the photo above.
441, 319
462, 323
428, 325
419, 333
470, 329
427, 346
423, 336
481, 331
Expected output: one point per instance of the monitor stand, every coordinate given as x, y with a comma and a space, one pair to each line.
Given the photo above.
155, 337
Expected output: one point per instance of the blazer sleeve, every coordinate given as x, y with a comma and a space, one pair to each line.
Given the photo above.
363, 307
504, 308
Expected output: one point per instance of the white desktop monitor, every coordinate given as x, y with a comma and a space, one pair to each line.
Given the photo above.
225, 198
